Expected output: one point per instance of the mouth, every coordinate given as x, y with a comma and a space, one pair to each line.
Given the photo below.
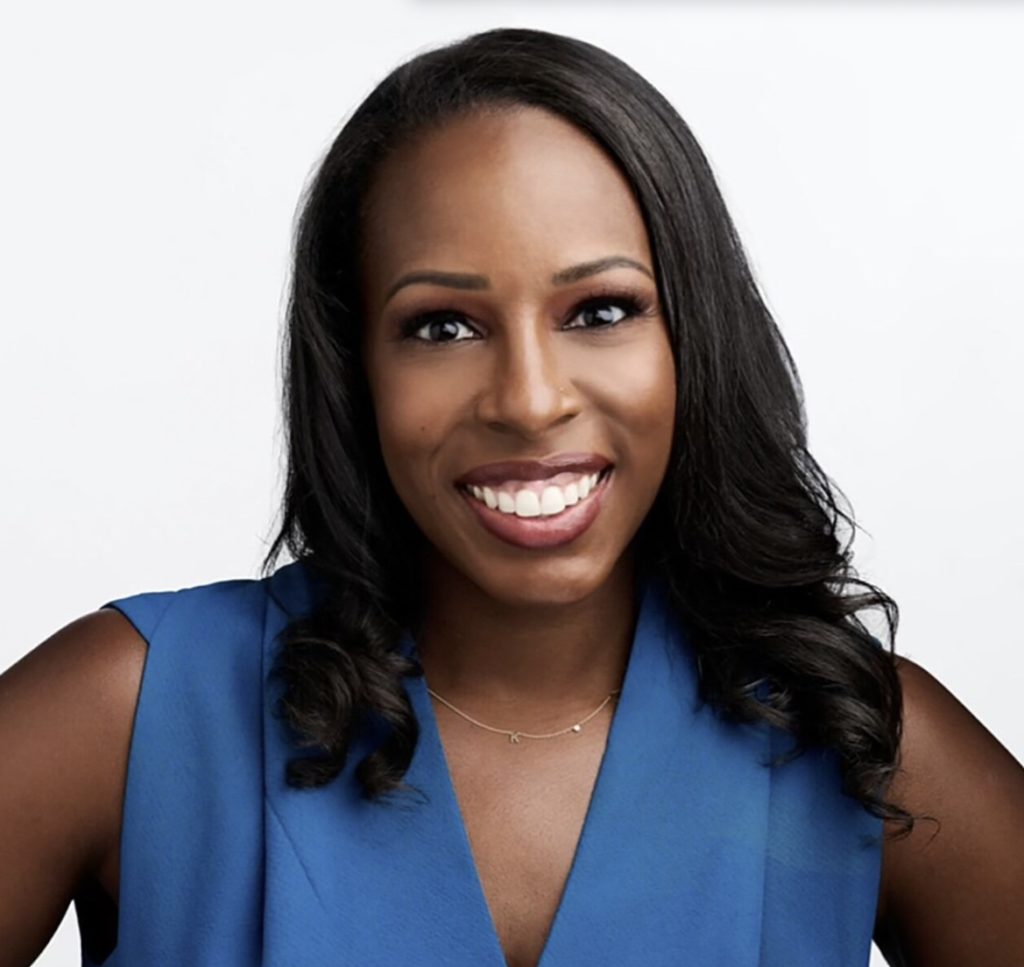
540, 513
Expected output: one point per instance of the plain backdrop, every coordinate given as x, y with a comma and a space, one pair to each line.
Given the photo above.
153, 157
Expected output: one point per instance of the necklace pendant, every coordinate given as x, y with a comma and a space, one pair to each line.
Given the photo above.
513, 737
577, 728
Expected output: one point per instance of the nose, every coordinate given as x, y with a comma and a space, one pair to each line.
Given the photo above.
529, 388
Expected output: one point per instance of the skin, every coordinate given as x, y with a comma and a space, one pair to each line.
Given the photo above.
516, 197
525, 639
532, 637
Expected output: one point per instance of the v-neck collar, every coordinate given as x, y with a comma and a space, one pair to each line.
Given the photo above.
433, 762
675, 829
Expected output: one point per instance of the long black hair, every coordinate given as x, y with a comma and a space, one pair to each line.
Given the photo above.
746, 529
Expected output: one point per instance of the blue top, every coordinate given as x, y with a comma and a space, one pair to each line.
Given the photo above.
693, 851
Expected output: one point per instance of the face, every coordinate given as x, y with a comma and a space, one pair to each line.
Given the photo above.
511, 314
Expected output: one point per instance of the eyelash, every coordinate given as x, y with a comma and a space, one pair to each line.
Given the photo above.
631, 305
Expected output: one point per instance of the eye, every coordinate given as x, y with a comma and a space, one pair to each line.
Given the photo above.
597, 313
605, 312
443, 325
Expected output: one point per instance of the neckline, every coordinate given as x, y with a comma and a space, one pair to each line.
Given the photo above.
665, 843
432, 747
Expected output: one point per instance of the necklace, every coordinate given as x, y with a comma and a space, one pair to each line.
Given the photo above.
513, 734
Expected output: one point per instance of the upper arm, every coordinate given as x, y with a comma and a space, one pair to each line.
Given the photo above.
66, 715
953, 893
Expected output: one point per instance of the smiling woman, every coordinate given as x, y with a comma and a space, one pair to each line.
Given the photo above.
555, 341
571, 637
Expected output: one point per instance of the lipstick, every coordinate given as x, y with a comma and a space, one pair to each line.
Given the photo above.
554, 530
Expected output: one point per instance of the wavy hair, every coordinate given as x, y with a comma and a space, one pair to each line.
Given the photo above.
746, 527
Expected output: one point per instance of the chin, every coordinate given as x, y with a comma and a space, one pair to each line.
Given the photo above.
548, 583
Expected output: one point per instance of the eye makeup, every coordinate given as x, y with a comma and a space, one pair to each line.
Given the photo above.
631, 305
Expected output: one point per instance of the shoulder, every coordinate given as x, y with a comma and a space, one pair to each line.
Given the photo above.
75, 693
72, 699
70, 710
952, 890
179, 626
66, 712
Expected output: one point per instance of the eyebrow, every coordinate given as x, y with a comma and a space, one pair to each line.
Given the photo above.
462, 280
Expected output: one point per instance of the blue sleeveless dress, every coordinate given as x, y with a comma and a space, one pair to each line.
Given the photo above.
692, 852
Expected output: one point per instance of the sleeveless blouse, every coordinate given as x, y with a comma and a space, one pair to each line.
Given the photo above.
693, 850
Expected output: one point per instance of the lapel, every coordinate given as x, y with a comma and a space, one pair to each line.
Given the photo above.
669, 867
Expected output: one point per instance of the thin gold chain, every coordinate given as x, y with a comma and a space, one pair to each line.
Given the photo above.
513, 734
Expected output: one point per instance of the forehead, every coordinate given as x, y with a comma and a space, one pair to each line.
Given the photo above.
515, 187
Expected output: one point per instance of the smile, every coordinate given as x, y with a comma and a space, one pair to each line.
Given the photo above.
538, 498
539, 513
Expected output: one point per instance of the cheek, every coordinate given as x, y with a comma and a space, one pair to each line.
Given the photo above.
645, 391
415, 409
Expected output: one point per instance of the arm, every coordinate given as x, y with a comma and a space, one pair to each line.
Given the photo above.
66, 714
953, 894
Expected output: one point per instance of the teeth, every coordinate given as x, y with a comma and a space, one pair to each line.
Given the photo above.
527, 504
551, 500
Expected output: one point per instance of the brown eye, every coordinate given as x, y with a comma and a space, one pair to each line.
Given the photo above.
438, 327
606, 313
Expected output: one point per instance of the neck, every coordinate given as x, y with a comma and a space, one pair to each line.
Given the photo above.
494, 655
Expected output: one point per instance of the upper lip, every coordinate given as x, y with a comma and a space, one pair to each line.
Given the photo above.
496, 473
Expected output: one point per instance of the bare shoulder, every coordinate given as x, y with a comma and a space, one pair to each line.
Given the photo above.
952, 891
67, 710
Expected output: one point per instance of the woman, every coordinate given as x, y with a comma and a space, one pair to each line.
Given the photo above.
568, 668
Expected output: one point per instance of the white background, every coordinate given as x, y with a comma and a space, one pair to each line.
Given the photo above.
153, 158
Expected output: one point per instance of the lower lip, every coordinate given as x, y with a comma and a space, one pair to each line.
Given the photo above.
537, 532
